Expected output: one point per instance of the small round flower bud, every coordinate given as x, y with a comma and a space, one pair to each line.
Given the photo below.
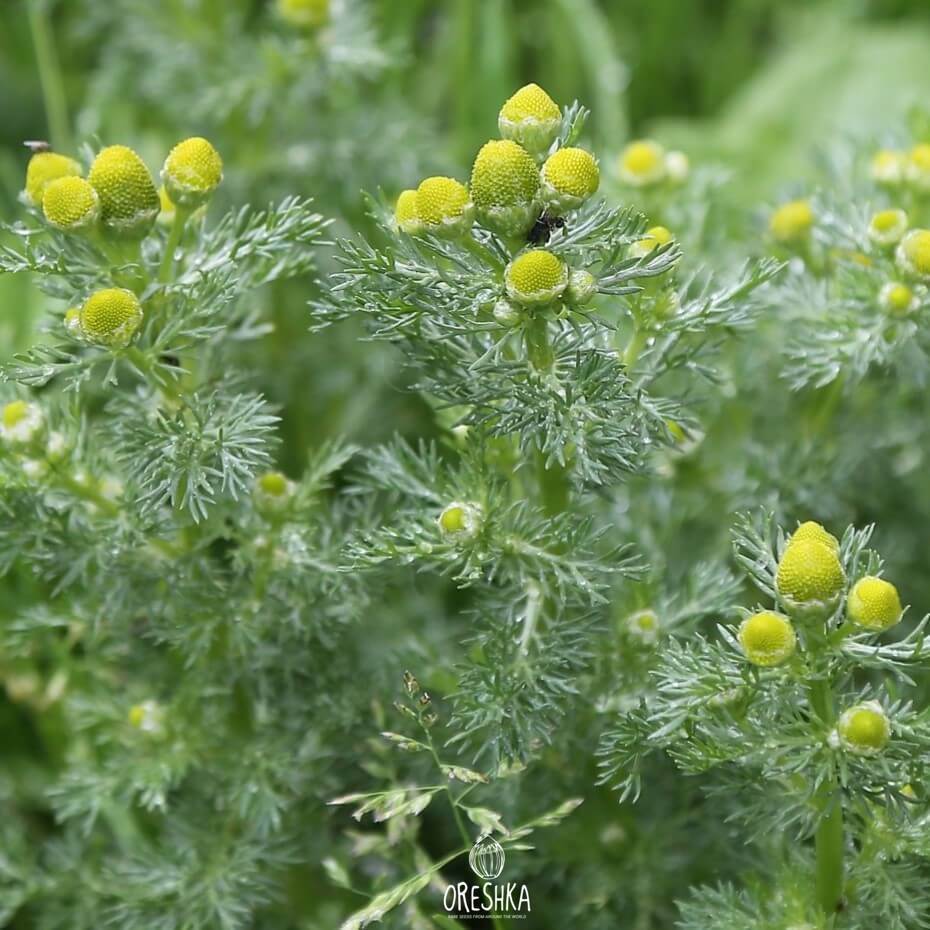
897, 299
792, 221
406, 218
530, 117
192, 172
70, 204
569, 177
304, 14
129, 202
461, 520
505, 187
864, 729
811, 531
72, 322
111, 317
887, 167
667, 304
147, 717
917, 169
444, 207
21, 422
913, 254
582, 286
642, 163
767, 638
873, 603
273, 491
644, 625
45, 167
536, 277
810, 576
888, 226
655, 236
677, 167
506, 313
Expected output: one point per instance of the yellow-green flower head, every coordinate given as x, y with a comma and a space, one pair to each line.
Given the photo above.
304, 14
70, 204
642, 163
873, 603
792, 221
864, 729
273, 491
21, 422
111, 317
887, 166
72, 322
536, 277
569, 177
810, 576
811, 531
148, 717
644, 624
406, 217
918, 166
582, 286
655, 236
129, 202
767, 638
888, 226
897, 299
677, 167
530, 117
913, 254
505, 187
444, 207
45, 167
461, 520
192, 172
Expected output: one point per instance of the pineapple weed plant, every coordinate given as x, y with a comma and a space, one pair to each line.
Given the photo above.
190, 617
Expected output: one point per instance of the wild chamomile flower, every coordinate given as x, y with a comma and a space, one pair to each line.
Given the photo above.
917, 169
655, 236
569, 177
811, 531
304, 14
192, 172
147, 717
677, 167
129, 202
913, 254
887, 227
810, 576
864, 729
505, 187
461, 520
897, 299
70, 204
582, 286
111, 317
792, 221
887, 166
21, 422
767, 638
43, 168
530, 117
406, 218
444, 207
644, 625
873, 603
536, 277
642, 163
272, 491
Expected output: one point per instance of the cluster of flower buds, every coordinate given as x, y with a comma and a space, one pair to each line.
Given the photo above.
646, 163
894, 168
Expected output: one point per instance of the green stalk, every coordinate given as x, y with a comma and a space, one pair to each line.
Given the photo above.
828, 840
174, 238
53, 88
538, 348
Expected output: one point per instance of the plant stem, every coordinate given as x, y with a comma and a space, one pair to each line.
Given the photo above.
538, 348
53, 89
828, 840
174, 237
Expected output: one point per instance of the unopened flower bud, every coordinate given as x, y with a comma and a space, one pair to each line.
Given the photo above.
70, 204
72, 322
111, 317
304, 14
677, 167
461, 520
810, 531
917, 169
897, 299
873, 603
505, 187
887, 167
273, 491
506, 313
655, 236
21, 422
444, 207
536, 277
129, 202
582, 286
767, 638
913, 254
642, 163
569, 177
644, 625
888, 226
864, 729
43, 168
792, 221
530, 117
810, 577
406, 218
147, 717
192, 172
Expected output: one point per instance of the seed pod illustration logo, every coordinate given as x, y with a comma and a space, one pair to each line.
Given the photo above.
486, 858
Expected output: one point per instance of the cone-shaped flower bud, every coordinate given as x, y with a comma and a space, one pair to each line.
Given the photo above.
767, 638
810, 576
569, 177
70, 204
192, 172
129, 202
111, 317
505, 187
444, 207
873, 603
642, 163
864, 729
809, 530
536, 277
530, 117
792, 221
913, 254
655, 236
45, 167
406, 217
